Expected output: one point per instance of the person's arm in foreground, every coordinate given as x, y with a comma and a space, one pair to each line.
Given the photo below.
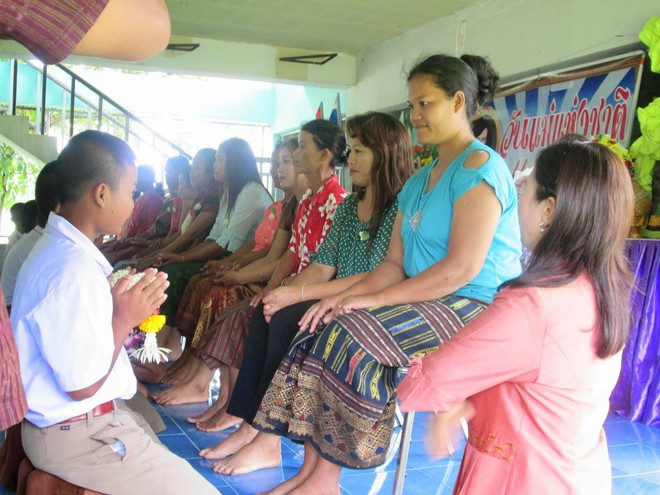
503, 343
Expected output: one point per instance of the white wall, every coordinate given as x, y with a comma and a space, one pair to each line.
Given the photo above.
227, 59
517, 35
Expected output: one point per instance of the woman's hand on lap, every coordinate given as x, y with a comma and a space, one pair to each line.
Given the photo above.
165, 259
229, 278
316, 314
280, 298
352, 303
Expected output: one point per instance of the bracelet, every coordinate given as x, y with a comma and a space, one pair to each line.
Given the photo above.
183, 259
302, 292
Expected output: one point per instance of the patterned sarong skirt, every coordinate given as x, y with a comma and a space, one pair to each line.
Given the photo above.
336, 389
203, 302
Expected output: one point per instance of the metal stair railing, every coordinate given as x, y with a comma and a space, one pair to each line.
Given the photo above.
82, 93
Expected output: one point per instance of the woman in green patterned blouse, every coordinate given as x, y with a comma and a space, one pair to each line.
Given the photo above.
380, 161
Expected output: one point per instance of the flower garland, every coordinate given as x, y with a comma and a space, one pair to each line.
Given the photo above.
149, 352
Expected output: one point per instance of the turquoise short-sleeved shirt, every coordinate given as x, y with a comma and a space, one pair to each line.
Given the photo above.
427, 217
346, 245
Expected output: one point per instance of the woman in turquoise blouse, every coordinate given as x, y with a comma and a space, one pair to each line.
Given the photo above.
455, 240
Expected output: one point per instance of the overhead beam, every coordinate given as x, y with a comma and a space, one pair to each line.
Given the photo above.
229, 59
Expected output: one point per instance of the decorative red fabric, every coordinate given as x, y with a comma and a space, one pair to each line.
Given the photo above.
313, 220
50, 29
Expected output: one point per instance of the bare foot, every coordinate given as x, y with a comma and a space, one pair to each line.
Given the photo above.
323, 480
149, 372
245, 461
179, 375
219, 421
180, 370
314, 487
306, 470
288, 485
237, 440
261, 453
206, 415
182, 393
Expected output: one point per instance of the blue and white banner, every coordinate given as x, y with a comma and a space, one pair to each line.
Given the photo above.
530, 116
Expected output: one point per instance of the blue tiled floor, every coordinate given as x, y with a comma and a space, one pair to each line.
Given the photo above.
634, 452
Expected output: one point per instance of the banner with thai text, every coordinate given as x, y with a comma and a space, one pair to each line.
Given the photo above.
525, 118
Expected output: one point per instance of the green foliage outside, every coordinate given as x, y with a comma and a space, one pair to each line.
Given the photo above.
17, 177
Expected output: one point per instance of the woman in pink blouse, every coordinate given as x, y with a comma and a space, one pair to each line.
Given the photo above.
536, 369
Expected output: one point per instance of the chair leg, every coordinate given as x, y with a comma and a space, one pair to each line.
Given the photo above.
399, 416
404, 450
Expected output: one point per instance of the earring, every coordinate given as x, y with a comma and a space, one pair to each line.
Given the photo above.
541, 227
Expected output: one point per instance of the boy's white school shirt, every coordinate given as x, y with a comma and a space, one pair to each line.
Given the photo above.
62, 322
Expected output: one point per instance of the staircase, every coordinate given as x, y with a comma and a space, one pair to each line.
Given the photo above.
15, 132
42, 106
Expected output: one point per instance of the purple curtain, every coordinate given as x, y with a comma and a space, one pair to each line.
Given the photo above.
637, 393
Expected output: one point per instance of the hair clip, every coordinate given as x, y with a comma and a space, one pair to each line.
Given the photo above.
346, 152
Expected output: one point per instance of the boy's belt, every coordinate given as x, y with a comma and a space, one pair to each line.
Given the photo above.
100, 410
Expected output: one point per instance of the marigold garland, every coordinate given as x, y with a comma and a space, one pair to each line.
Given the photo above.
153, 324
149, 352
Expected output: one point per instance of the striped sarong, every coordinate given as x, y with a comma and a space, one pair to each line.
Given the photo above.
204, 301
226, 340
336, 389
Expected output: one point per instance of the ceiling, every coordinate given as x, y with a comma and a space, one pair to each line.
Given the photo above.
348, 26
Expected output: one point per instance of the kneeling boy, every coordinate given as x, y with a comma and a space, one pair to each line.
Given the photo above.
70, 326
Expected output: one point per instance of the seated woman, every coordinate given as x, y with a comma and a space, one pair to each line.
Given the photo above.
380, 162
244, 200
197, 222
168, 221
536, 369
455, 240
148, 203
218, 287
322, 148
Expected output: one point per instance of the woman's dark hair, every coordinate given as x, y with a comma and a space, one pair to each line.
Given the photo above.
29, 215
390, 144
471, 74
46, 192
181, 166
208, 155
240, 168
328, 136
593, 213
